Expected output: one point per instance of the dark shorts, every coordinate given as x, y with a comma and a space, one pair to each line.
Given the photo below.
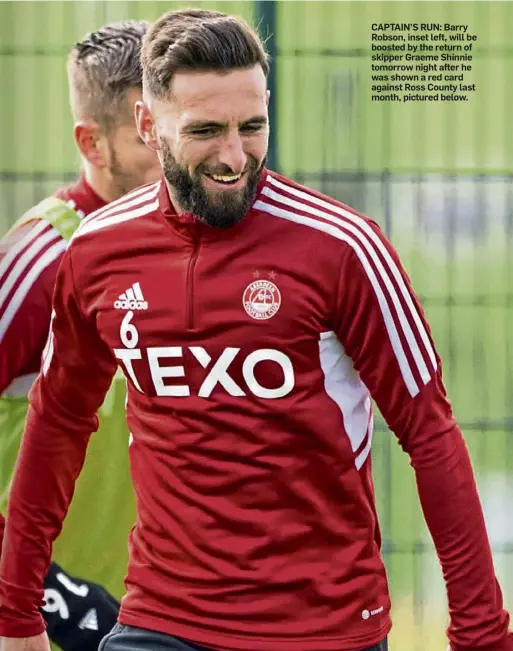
128, 638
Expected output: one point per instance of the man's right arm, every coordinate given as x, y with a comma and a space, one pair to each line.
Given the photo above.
77, 369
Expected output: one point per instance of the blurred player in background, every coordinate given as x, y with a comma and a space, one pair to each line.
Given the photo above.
105, 81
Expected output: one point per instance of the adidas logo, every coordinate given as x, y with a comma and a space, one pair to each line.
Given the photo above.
89, 621
132, 299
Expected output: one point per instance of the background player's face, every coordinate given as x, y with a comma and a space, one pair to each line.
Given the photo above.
130, 162
212, 137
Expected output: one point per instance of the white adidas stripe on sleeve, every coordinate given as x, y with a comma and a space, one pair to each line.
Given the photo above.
96, 225
22, 266
16, 249
372, 241
131, 200
33, 273
353, 230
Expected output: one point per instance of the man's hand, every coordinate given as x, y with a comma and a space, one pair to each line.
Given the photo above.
35, 643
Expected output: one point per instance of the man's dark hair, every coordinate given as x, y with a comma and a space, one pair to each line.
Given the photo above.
197, 40
102, 68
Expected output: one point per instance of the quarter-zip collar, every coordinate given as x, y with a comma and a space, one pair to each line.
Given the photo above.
190, 227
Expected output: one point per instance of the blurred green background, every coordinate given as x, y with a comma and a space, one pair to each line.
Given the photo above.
437, 177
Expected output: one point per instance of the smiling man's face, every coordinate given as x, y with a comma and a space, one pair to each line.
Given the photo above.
212, 136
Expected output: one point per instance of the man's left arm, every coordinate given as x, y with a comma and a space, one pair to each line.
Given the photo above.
382, 327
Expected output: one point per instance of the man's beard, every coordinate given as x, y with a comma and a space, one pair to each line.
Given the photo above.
221, 209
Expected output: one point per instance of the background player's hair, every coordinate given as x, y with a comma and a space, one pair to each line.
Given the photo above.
102, 68
197, 39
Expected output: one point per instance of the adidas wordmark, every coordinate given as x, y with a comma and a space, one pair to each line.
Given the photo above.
132, 299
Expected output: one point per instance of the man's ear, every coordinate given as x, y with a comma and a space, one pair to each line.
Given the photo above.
90, 142
146, 125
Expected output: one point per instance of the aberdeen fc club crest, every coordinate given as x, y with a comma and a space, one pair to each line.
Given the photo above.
261, 299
